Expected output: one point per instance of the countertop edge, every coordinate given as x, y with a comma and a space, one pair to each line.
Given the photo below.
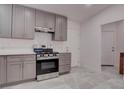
7, 54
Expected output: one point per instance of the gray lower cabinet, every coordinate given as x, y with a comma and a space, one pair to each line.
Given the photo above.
14, 71
64, 69
2, 70
23, 22
60, 29
29, 70
5, 20
64, 62
21, 67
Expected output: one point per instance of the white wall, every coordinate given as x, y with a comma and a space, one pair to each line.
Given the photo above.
73, 42
91, 36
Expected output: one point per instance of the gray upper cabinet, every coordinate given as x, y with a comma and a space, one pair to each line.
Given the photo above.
60, 28
40, 18
45, 20
50, 21
29, 23
2, 70
5, 20
23, 22
64, 29
18, 21
57, 34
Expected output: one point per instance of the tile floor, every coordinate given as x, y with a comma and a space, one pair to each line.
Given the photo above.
79, 78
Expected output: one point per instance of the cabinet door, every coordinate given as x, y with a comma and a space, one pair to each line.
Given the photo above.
64, 62
64, 29
60, 28
64, 69
57, 35
14, 71
2, 70
50, 21
5, 20
40, 18
29, 23
65, 59
29, 70
18, 21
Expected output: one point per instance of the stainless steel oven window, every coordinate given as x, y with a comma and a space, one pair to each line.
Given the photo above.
47, 65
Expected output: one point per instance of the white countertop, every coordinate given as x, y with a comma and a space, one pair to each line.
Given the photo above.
15, 52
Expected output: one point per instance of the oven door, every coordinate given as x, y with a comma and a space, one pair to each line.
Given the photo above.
46, 66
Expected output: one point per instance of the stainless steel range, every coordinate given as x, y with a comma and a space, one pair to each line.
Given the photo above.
47, 63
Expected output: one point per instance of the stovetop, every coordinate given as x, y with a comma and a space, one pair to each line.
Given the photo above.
45, 52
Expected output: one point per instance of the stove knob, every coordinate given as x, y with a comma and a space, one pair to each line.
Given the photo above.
38, 55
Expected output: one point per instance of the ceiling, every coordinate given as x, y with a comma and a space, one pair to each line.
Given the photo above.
77, 12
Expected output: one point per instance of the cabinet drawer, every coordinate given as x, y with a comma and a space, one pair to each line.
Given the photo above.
65, 59
20, 58
64, 62
64, 69
65, 55
29, 57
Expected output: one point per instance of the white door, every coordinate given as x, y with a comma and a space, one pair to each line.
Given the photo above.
107, 48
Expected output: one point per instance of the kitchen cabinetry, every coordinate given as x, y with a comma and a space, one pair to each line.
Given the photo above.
21, 67
29, 70
64, 62
18, 21
23, 22
50, 21
29, 23
2, 70
40, 19
5, 20
45, 20
14, 71
60, 28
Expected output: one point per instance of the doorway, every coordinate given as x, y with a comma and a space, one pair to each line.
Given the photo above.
108, 49
112, 44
